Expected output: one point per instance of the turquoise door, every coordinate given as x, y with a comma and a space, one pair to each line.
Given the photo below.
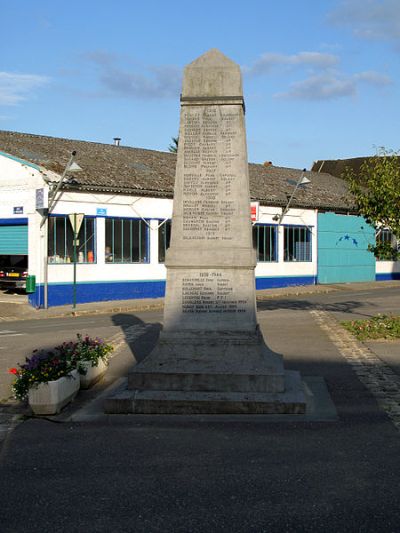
343, 255
13, 239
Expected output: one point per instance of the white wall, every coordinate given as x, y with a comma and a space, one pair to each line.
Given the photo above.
295, 217
150, 209
387, 267
153, 210
18, 184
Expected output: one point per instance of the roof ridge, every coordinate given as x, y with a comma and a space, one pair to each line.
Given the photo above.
37, 135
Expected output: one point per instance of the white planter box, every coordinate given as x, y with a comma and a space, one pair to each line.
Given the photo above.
93, 373
49, 398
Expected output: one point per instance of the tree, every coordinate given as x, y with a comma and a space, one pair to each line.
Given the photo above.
173, 147
377, 194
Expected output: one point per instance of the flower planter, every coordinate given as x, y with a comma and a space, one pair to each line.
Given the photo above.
49, 398
93, 373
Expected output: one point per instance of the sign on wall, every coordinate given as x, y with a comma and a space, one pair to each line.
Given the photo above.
18, 210
101, 212
42, 199
254, 208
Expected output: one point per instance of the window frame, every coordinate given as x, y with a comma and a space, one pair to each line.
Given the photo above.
273, 228
69, 233
165, 238
394, 242
295, 227
146, 233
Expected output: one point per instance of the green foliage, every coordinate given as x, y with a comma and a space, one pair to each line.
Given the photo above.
48, 365
378, 327
377, 194
173, 147
384, 251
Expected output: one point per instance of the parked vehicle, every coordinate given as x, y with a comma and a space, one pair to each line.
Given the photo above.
13, 271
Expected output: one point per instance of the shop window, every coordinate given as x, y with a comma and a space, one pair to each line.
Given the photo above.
164, 236
297, 243
126, 241
61, 241
265, 242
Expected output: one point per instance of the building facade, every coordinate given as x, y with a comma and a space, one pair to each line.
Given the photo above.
125, 195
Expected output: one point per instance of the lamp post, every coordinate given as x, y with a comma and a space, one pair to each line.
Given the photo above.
302, 181
70, 167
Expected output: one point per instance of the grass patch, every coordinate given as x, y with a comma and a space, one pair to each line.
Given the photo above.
378, 327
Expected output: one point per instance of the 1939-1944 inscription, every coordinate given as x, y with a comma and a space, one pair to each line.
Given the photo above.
210, 292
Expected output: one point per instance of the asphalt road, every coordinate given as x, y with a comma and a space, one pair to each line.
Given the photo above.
18, 339
193, 474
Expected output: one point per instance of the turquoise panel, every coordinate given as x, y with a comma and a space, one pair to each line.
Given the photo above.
343, 255
14, 239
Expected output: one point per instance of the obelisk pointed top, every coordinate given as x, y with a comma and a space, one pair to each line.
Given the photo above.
212, 58
212, 74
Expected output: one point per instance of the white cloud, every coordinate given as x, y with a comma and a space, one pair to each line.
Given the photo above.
369, 19
149, 82
319, 87
331, 85
268, 61
14, 88
373, 78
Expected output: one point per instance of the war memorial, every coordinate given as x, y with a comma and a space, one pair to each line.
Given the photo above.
211, 357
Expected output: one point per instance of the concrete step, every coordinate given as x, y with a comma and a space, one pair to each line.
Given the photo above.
292, 401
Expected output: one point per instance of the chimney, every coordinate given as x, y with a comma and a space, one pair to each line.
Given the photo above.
117, 140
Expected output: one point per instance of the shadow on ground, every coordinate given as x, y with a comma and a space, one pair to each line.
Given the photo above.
350, 306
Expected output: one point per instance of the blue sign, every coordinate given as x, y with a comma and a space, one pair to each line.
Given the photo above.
18, 210
101, 212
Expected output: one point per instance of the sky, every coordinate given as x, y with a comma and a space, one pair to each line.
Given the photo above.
320, 77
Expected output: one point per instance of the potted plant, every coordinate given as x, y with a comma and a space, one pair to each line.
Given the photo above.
92, 356
48, 379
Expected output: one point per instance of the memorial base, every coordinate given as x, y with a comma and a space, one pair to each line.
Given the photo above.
209, 361
291, 401
202, 373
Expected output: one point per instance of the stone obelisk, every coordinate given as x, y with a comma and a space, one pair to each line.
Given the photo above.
211, 357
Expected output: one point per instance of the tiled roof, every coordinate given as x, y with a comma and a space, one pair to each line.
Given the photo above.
148, 172
336, 167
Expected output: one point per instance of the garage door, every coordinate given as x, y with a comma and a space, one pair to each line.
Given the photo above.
343, 255
14, 236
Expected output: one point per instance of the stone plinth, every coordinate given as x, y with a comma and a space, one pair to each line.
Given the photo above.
211, 356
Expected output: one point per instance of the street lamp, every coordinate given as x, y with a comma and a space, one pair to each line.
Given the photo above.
71, 166
301, 182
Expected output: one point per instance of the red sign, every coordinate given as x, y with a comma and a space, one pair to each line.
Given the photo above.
254, 211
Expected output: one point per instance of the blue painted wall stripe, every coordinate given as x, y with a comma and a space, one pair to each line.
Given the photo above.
389, 276
284, 281
13, 221
61, 293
